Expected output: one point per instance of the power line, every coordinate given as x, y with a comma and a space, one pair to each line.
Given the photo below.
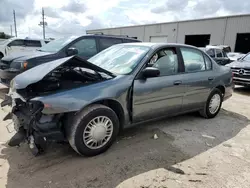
14, 14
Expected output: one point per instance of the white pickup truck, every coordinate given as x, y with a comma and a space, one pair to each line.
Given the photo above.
19, 45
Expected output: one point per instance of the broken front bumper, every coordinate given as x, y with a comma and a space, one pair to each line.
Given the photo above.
31, 124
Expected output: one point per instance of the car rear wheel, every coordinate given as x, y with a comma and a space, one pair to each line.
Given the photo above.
213, 104
94, 130
1, 56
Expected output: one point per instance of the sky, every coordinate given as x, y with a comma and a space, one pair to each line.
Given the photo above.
74, 17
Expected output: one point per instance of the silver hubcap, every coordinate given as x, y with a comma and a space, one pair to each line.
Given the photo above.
214, 104
98, 132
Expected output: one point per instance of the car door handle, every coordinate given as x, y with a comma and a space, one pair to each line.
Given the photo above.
210, 78
177, 82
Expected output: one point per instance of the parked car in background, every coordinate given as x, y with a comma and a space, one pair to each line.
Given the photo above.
225, 48
233, 56
217, 53
89, 102
241, 70
14, 45
83, 46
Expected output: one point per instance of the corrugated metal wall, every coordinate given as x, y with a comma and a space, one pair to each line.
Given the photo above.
222, 30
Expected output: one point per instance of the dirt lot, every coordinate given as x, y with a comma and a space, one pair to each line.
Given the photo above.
190, 152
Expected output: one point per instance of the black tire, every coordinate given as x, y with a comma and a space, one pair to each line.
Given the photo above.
75, 131
1, 56
206, 112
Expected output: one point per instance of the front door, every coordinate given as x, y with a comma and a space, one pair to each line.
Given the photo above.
159, 96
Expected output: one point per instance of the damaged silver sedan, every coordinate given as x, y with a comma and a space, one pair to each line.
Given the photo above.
88, 102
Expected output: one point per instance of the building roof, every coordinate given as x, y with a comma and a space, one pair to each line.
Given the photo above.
189, 20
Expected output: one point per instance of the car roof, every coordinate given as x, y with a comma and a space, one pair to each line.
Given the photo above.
157, 45
111, 36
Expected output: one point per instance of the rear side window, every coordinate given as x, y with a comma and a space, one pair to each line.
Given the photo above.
218, 53
208, 63
107, 42
17, 42
32, 43
210, 52
193, 60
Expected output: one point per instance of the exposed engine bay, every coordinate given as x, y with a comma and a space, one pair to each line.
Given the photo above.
63, 78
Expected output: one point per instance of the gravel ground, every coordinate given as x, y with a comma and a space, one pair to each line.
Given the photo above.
190, 152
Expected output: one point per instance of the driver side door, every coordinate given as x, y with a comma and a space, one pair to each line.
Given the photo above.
159, 96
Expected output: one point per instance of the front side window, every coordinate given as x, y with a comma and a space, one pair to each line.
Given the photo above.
86, 47
107, 42
120, 59
218, 53
166, 61
16, 43
193, 60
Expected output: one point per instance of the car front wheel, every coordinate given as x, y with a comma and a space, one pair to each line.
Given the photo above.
94, 130
213, 104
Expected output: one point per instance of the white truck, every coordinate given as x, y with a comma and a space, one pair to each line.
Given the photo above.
11, 45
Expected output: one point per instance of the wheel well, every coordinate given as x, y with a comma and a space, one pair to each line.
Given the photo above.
116, 107
221, 88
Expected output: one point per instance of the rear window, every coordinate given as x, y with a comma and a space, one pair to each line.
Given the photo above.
218, 53
227, 49
107, 42
32, 43
210, 52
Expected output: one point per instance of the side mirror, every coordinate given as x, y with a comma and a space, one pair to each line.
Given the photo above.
71, 51
150, 72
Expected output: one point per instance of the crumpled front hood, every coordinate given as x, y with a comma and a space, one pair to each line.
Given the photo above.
23, 56
239, 64
37, 73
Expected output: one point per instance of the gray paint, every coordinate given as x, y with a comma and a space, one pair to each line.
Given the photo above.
151, 98
223, 30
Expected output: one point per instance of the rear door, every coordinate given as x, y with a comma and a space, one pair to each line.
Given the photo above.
197, 78
159, 96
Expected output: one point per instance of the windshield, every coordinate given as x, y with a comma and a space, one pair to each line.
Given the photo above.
56, 45
247, 57
120, 59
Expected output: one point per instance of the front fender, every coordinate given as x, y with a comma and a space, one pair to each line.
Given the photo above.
78, 98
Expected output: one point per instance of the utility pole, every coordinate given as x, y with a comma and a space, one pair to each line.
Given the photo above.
10, 30
43, 23
14, 14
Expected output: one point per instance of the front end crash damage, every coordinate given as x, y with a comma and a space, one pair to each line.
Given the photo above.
27, 114
33, 126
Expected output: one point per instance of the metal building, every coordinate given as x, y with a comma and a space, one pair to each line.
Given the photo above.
229, 30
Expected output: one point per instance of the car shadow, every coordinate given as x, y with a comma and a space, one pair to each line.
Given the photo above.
242, 90
159, 144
